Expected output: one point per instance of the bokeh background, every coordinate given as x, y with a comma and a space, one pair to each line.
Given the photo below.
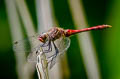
105, 42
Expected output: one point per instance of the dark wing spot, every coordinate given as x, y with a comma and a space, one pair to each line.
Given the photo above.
36, 52
16, 42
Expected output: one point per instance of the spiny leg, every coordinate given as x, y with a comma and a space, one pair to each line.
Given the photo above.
53, 56
56, 51
45, 44
49, 48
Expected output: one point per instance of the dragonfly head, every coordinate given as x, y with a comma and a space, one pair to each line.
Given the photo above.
42, 38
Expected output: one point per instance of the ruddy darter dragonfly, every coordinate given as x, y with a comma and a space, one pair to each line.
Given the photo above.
54, 42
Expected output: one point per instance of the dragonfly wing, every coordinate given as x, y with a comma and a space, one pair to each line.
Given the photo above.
52, 63
32, 57
62, 44
21, 46
28, 46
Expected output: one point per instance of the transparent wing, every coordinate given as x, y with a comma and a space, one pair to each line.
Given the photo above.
62, 44
29, 46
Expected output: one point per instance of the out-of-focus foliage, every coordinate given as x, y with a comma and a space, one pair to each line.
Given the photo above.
106, 41
7, 58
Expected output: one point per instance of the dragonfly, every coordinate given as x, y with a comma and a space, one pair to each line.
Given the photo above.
54, 42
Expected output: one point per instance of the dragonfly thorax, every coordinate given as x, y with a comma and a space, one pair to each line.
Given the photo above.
52, 34
55, 33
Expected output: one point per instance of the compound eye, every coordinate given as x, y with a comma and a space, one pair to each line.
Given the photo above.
41, 39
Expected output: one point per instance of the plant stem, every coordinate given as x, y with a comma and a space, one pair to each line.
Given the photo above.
45, 22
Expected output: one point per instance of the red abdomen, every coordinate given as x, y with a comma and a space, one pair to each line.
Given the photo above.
69, 32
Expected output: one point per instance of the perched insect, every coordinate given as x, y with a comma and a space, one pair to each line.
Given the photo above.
54, 42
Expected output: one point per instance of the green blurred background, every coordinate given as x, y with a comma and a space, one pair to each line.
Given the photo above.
106, 41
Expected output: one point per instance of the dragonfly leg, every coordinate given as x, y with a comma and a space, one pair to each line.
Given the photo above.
49, 49
48, 43
53, 60
45, 44
56, 51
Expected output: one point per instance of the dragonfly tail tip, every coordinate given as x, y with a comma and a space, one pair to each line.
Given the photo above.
109, 26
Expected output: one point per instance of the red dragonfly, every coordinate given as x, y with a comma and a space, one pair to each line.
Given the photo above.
54, 42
